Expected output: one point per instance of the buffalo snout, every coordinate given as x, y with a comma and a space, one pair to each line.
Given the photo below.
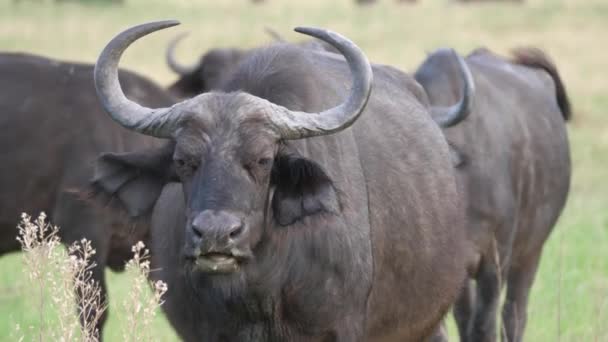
218, 241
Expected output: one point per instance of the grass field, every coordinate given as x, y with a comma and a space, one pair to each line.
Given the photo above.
569, 301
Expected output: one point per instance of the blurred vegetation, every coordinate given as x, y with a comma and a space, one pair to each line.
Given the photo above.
569, 301
82, 2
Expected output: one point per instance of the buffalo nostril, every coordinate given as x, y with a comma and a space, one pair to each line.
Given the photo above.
236, 231
197, 231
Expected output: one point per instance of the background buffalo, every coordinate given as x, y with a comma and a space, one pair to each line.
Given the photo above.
54, 128
515, 174
216, 66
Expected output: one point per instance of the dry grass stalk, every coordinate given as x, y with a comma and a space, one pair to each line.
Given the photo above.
141, 306
77, 286
67, 279
39, 241
499, 271
62, 280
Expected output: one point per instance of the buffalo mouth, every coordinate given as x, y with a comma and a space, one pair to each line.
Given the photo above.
217, 263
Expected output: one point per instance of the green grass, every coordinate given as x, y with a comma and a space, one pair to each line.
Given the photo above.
570, 296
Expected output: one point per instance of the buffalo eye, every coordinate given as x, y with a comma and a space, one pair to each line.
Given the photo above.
259, 169
184, 167
265, 162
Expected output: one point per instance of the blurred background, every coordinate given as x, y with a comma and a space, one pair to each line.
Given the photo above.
569, 301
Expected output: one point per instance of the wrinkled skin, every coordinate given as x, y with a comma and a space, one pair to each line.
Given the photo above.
217, 65
53, 129
354, 236
516, 176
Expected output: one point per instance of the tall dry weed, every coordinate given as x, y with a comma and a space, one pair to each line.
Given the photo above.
40, 241
141, 305
65, 280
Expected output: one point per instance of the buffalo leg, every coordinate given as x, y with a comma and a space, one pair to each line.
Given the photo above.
464, 310
483, 327
77, 220
519, 283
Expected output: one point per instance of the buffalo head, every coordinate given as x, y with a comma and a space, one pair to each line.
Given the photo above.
212, 70
228, 151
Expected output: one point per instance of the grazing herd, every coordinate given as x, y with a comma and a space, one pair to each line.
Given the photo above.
298, 192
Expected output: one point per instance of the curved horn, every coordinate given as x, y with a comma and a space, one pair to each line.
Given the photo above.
155, 122
450, 116
179, 69
298, 125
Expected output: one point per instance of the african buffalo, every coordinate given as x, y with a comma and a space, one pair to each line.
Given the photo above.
53, 129
217, 65
283, 220
515, 176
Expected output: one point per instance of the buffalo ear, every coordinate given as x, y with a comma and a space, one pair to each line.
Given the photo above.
134, 178
302, 189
